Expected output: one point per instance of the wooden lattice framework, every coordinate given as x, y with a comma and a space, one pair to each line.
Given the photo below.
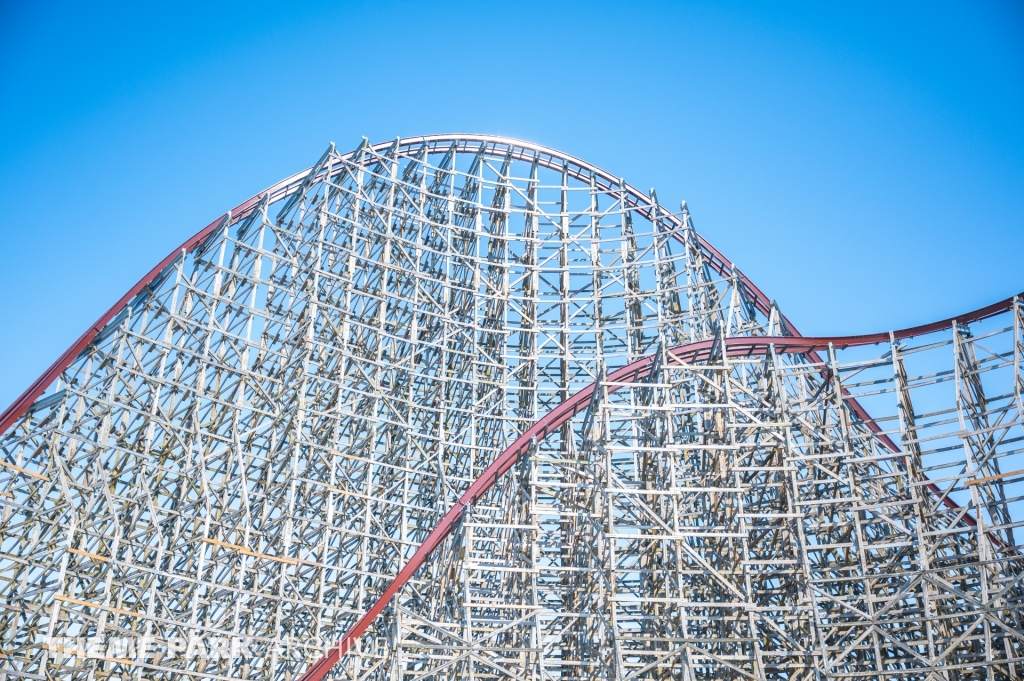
257, 440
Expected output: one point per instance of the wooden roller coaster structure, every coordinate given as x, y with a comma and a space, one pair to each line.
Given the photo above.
460, 406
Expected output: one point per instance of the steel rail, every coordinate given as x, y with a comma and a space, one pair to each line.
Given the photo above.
548, 158
18, 408
526, 151
701, 351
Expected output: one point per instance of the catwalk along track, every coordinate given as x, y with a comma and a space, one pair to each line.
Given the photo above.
460, 406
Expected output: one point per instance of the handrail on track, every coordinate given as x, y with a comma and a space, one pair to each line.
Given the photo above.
743, 346
527, 151
550, 159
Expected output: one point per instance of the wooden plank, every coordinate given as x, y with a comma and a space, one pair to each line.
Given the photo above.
981, 481
119, 611
250, 552
94, 556
23, 471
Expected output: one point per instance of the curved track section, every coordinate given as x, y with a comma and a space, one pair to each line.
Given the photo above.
542, 156
225, 474
693, 353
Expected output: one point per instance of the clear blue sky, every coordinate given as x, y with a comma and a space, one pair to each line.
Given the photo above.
863, 163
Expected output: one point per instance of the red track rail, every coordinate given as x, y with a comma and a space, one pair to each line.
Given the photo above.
242, 210
747, 346
549, 158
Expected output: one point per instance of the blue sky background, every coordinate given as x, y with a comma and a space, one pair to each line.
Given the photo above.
863, 163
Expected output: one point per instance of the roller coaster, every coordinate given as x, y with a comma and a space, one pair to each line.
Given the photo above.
460, 406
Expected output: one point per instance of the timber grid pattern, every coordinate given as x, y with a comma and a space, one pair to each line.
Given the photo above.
460, 406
